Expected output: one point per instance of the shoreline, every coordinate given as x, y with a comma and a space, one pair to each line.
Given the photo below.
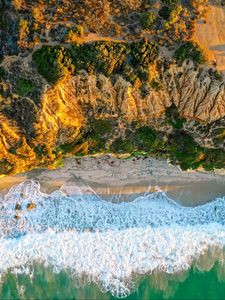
124, 179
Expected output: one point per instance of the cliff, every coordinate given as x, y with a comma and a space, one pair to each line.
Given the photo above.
180, 102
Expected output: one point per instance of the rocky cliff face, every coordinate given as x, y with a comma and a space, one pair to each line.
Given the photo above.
64, 112
196, 94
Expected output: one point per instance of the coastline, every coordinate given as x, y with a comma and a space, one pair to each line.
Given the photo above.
117, 179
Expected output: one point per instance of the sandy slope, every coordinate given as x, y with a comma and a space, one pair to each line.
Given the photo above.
211, 35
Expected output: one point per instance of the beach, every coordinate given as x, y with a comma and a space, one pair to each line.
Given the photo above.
63, 225
123, 179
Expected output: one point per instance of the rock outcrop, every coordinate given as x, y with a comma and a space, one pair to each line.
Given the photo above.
66, 109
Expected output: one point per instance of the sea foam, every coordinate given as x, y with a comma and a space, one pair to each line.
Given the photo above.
106, 242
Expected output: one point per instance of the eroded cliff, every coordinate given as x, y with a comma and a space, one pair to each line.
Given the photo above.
142, 88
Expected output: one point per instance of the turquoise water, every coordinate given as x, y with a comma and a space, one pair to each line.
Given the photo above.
82, 247
48, 285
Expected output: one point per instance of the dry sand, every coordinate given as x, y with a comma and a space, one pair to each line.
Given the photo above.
211, 35
124, 179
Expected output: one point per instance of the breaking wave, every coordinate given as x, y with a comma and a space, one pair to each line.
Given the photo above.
108, 243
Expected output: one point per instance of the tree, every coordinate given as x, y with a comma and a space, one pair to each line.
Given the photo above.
148, 20
191, 50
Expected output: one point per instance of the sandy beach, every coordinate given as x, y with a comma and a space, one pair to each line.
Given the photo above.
123, 179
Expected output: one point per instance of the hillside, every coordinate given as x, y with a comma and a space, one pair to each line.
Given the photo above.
111, 76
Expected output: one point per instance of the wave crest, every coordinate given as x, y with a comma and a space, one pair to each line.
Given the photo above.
107, 242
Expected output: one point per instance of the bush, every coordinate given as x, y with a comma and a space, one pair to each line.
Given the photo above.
191, 50
173, 117
122, 146
148, 20
105, 57
170, 2
148, 139
84, 56
111, 56
99, 133
214, 159
24, 86
2, 72
164, 12
174, 17
53, 62
155, 85
144, 53
74, 32
184, 150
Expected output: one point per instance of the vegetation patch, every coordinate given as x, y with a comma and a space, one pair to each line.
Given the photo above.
24, 86
99, 132
170, 2
101, 56
148, 20
174, 118
144, 53
146, 138
53, 62
164, 12
122, 146
74, 32
41, 151
2, 72
191, 50
214, 159
183, 150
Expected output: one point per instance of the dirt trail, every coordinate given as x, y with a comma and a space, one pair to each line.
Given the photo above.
211, 35
91, 37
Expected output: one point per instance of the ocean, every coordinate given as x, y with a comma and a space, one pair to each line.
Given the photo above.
82, 247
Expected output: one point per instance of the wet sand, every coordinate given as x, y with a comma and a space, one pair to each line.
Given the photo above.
124, 179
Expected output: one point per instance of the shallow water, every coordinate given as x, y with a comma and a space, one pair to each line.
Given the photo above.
45, 284
87, 248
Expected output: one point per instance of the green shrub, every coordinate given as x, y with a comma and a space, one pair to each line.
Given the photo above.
217, 75
84, 56
101, 128
2, 72
174, 118
184, 150
191, 50
122, 146
155, 85
53, 62
99, 133
214, 159
111, 56
144, 53
170, 2
74, 32
41, 151
164, 12
24, 86
148, 139
148, 20
101, 56
130, 73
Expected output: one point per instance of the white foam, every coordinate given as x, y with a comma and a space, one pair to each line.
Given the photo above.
107, 242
